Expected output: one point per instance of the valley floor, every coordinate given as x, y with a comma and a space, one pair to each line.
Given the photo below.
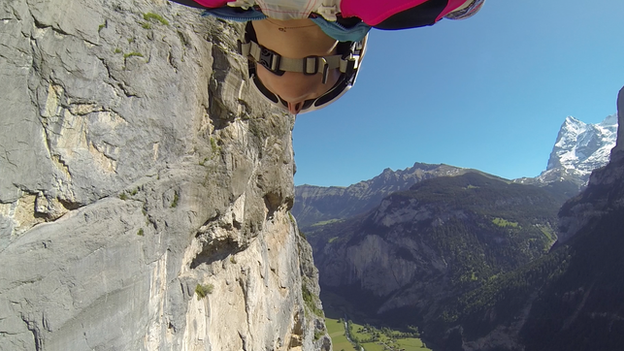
385, 339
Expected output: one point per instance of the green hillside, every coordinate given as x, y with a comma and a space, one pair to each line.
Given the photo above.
450, 235
570, 299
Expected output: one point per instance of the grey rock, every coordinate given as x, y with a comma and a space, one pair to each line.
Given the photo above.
136, 170
618, 150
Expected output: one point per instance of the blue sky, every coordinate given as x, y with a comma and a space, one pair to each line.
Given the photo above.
490, 92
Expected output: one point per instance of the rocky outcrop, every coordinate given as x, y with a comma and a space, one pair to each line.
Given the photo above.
618, 150
144, 195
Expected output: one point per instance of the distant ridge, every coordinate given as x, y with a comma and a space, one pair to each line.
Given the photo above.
314, 204
579, 149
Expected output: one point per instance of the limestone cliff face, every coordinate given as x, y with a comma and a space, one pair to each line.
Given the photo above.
136, 176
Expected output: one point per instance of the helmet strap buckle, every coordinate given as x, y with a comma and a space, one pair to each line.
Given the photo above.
325, 72
311, 65
270, 60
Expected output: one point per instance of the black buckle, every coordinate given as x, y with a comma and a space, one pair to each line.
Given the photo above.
352, 67
270, 60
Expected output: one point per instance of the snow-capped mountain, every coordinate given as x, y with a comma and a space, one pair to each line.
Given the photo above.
580, 148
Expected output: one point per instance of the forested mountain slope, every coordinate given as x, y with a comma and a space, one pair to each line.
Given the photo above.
570, 299
316, 204
439, 239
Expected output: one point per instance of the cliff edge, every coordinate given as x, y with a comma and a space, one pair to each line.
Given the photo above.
144, 195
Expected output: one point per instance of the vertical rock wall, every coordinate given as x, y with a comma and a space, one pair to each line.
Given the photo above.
144, 194
618, 151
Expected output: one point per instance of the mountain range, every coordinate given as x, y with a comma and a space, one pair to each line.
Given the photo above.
316, 204
442, 237
468, 256
579, 148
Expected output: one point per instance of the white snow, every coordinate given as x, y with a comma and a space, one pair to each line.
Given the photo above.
583, 147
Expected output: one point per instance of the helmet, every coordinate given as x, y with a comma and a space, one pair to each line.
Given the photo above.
347, 60
467, 11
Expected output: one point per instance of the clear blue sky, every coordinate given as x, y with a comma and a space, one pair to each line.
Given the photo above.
490, 92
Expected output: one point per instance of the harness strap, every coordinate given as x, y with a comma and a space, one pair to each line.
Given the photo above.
308, 65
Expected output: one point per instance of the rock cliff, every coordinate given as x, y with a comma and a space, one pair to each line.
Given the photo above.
144, 195
618, 151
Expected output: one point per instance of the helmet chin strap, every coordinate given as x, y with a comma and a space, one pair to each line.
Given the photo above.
309, 65
347, 62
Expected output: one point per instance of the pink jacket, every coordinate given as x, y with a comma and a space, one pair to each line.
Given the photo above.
372, 12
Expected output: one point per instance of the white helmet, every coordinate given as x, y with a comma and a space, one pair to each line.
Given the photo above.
347, 60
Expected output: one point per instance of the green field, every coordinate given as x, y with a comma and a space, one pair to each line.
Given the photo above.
385, 339
320, 224
337, 333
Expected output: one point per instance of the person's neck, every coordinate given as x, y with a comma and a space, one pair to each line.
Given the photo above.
296, 38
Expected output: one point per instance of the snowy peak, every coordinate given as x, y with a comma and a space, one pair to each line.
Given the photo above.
610, 122
581, 147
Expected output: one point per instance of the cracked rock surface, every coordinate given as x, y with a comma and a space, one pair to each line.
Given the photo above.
144, 193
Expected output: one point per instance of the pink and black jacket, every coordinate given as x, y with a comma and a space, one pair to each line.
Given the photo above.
381, 14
